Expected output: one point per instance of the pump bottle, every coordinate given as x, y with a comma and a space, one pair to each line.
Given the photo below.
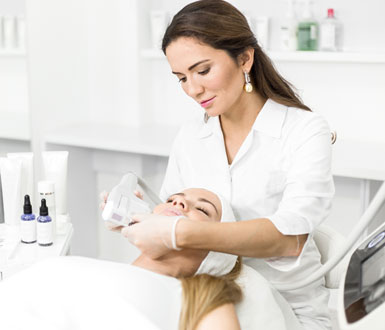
307, 31
330, 30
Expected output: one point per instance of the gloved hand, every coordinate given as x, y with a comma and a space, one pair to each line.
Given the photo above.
153, 234
103, 200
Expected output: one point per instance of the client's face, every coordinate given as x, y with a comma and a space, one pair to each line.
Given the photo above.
196, 204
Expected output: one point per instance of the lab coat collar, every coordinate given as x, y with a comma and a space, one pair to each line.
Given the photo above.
212, 126
271, 118
269, 121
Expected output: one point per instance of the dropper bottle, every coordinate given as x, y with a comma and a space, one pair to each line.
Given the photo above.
44, 226
28, 223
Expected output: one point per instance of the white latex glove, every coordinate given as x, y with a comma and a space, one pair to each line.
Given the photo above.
153, 234
103, 200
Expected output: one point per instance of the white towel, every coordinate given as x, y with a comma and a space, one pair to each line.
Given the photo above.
217, 263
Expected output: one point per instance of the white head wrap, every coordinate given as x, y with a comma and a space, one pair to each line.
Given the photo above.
217, 263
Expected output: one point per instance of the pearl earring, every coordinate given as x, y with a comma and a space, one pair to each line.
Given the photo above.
248, 87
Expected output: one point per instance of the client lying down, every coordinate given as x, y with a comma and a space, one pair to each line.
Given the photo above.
187, 289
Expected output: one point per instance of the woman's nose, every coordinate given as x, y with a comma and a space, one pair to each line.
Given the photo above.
180, 203
194, 89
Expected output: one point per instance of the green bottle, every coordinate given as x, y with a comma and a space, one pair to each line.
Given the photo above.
307, 30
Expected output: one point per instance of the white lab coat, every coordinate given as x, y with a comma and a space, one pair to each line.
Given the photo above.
281, 172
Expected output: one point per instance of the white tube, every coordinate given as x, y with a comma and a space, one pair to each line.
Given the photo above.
27, 187
1, 203
11, 170
55, 169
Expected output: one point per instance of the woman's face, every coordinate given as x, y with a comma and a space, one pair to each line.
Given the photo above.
196, 204
208, 75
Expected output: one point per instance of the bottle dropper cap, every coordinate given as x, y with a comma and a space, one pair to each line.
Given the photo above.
27, 205
330, 12
43, 208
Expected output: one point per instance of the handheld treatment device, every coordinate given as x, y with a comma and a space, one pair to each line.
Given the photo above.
122, 202
361, 300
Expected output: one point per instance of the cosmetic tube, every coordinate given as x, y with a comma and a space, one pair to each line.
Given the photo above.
1, 33
20, 33
1, 203
9, 33
159, 21
262, 31
11, 170
26, 159
55, 169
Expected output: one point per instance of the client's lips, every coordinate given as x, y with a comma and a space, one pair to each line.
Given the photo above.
172, 212
206, 103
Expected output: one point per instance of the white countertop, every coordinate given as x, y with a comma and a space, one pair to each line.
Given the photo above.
15, 256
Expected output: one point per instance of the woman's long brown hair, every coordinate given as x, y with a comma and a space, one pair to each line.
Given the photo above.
221, 26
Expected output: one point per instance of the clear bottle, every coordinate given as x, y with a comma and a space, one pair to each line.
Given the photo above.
307, 31
28, 223
330, 32
289, 29
44, 226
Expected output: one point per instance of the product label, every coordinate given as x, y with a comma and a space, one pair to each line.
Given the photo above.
313, 32
28, 231
328, 37
44, 232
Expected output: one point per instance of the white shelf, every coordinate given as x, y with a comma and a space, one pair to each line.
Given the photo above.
15, 127
156, 140
17, 256
12, 53
359, 159
302, 56
354, 159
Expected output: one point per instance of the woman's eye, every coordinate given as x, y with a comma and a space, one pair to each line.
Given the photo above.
202, 210
204, 72
182, 79
169, 200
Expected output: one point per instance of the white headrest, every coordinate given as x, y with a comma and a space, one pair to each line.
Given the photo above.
217, 263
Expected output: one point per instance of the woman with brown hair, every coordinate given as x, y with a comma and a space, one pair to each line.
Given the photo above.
257, 144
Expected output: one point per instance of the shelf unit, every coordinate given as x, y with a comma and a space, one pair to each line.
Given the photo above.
354, 159
301, 56
15, 127
12, 53
154, 141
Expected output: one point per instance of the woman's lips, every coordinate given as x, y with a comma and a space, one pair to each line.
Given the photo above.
171, 212
208, 102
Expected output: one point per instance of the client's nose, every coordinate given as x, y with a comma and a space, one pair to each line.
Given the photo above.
180, 203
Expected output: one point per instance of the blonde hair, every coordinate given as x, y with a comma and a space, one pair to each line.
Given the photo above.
203, 293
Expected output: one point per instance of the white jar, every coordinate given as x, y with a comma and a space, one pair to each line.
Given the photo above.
46, 190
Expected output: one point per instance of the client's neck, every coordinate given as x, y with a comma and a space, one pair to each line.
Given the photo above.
171, 264
164, 265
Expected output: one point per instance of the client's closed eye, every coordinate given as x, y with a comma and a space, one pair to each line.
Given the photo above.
203, 210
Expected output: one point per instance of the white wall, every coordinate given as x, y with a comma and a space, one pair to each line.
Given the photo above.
85, 66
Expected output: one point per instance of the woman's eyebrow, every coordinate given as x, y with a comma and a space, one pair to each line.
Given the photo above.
207, 201
192, 67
